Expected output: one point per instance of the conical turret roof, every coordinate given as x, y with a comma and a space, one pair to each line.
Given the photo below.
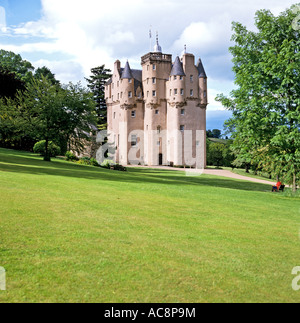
201, 69
127, 73
177, 68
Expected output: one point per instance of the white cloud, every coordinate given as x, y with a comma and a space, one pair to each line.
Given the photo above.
3, 28
90, 33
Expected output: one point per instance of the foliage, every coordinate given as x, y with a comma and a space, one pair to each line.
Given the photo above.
40, 148
215, 133
14, 63
219, 154
265, 105
96, 83
70, 156
45, 71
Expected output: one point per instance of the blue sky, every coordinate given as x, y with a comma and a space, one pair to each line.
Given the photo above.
73, 36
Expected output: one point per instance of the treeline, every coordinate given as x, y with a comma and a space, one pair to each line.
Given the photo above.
35, 106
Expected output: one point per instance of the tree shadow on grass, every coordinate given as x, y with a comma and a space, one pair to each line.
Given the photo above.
19, 163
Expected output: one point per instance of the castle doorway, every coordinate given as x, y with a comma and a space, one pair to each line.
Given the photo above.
160, 159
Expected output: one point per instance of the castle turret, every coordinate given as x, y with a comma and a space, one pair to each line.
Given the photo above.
202, 83
127, 86
176, 85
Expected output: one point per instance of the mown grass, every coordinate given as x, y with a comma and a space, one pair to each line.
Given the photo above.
72, 233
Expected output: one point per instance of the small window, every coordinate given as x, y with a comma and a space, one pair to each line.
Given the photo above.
153, 80
205, 94
147, 94
133, 140
156, 112
181, 128
175, 78
154, 67
181, 78
197, 143
130, 94
158, 129
182, 112
154, 93
133, 114
118, 84
170, 92
182, 92
121, 95
118, 96
130, 81
192, 78
175, 91
114, 115
158, 143
192, 93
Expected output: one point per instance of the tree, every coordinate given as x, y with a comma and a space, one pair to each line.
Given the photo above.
265, 105
96, 83
12, 62
57, 113
47, 74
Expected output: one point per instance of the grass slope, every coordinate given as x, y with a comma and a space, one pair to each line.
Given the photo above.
71, 233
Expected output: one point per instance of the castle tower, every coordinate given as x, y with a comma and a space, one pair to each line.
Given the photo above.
156, 70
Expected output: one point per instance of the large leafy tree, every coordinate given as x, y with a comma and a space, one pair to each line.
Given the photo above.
12, 62
56, 113
45, 71
96, 83
265, 105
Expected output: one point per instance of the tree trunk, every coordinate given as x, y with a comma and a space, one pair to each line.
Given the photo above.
47, 153
294, 183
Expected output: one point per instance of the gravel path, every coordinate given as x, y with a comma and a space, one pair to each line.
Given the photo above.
216, 172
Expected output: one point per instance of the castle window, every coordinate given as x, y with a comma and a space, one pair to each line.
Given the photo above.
205, 94
181, 128
118, 84
114, 115
192, 93
133, 114
182, 92
154, 67
130, 81
175, 91
153, 93
158, 129
153, 80
158, 143
121, 95
182, 112
130, 94
175, 78
133, 140
171, 92
118, 96
192, 78
181, 78
147, 94
156, 111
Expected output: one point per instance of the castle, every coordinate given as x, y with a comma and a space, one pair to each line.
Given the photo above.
157, 115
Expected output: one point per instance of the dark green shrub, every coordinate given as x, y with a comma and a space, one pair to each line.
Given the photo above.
40, 148
70, 156
94, 162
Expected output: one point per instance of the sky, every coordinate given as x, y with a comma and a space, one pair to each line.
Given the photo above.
72, 36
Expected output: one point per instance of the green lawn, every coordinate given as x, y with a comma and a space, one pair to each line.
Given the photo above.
71, 233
